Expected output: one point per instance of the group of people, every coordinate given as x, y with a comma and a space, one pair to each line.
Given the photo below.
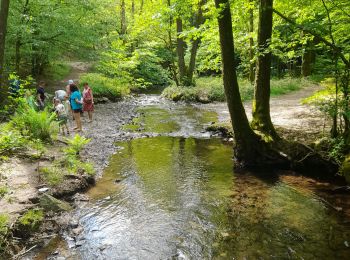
69, 101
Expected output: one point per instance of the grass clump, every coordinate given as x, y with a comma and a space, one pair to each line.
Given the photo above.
4, 230
102, 86
71, 162
52, 175
3, 191
209, 89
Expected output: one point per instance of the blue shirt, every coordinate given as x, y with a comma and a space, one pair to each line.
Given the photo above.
75, 95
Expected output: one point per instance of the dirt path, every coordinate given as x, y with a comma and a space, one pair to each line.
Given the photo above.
287, 112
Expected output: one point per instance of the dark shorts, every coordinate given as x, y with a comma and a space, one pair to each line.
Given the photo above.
62, 120
77, 110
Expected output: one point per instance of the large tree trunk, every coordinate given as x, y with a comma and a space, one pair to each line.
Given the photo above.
180, 49
246, 141
261, 104
307, 60
5, 4
250, 150
251, 44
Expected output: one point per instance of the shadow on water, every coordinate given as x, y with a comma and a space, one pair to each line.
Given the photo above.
178, 197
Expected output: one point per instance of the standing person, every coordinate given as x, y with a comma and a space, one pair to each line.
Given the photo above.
76, 104
61, 115
40, 92
68, 87
88, 101
60, 94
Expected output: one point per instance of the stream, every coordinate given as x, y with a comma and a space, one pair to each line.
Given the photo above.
170, 192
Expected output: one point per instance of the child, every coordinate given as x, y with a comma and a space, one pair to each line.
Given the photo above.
61, 115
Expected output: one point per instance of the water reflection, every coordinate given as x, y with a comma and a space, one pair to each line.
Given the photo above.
179, 198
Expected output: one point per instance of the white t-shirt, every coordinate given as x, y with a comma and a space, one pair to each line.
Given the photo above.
61, 110
60, 94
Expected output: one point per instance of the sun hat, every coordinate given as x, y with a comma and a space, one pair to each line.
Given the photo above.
70, 82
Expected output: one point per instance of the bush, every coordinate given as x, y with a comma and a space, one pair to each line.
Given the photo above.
102, 86
29, 222
11, 140
35, 125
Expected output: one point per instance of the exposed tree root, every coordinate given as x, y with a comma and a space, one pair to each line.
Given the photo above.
282, 154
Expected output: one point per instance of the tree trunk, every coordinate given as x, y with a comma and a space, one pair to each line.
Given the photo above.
18, 53
180, 49
306, 65
250, 150
261, 104
245, 139
195, 44
122, 19
251, 45
5, 4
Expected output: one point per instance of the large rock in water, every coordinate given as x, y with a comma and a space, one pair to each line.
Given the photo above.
50, 203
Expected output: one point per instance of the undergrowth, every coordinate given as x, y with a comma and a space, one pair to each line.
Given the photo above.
102, 86
209, 89
70, 163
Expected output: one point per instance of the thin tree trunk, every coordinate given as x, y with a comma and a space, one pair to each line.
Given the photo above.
180, 48
261, 104
122, 19
195, 43
251, 44
5, 4
245, 139
307, 60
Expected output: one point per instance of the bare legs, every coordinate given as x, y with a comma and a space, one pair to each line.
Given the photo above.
78, 121
90, 116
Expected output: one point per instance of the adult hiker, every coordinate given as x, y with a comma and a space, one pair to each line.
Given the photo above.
88, 101
77, 105
40, 92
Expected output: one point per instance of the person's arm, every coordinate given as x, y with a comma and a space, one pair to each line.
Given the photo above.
92, 96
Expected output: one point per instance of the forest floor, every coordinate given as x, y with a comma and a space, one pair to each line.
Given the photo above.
293, 119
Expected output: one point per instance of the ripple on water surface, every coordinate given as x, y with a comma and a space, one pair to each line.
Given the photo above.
179, 198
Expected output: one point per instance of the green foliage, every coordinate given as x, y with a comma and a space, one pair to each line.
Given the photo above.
11, 140
4, 230
103, 86
209, 89
72, 161
76, 144
57, 70
31, 220
35, 125
3, 191
338, 149
52, 175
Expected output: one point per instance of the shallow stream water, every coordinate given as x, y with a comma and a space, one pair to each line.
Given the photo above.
175, 195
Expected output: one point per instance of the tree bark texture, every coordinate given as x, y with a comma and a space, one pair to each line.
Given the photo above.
251, 45
123, 18
261, 104
245, 139
4, 10
195, 43
180, 49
